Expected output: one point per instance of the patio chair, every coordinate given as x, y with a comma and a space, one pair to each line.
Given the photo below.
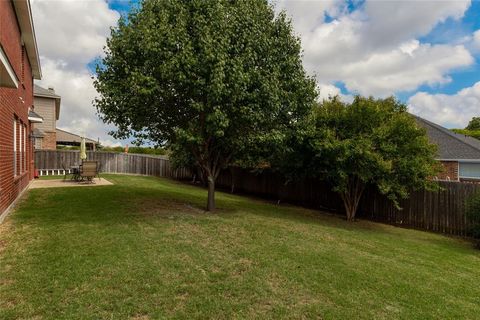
66, 172
88, 170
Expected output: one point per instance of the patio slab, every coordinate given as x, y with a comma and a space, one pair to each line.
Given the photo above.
60, 183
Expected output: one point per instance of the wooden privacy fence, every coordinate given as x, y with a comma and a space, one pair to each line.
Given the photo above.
110, 162
440, 211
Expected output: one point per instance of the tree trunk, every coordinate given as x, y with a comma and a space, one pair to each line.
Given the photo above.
351, 197
351, 210
232, 187
211, 193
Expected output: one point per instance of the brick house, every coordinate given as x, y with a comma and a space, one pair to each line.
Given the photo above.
47, 106
459, 154
19, 65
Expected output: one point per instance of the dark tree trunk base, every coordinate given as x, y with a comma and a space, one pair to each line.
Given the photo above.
211, 194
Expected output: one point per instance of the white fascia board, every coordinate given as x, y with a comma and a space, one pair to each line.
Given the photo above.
8, 77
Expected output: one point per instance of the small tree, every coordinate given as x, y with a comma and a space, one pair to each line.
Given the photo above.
215, 79
472, 212
474, 124
369, 142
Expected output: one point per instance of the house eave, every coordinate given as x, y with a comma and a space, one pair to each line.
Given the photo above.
461, 160
34, 117
25, 20
35, 120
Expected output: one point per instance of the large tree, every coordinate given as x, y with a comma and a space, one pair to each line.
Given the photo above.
216, 80
369, 142
473, 124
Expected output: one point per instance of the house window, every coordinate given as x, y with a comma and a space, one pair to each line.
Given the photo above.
469, 170
24, 147
20, 146
15, 147
38, 143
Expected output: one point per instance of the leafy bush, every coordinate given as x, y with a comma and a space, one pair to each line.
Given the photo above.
113, 149
146, 150
473, 214
472, 133
136, 150
68, 147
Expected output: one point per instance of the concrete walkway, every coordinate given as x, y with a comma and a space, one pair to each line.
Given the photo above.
60, 183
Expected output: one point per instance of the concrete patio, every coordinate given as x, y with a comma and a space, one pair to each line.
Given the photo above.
60, 183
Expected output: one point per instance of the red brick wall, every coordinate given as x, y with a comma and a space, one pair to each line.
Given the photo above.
14, 103
49, 141
450, 171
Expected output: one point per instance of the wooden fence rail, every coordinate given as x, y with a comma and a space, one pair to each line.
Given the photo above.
440, 211
111, 162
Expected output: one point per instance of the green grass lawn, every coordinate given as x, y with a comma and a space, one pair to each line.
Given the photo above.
144, 249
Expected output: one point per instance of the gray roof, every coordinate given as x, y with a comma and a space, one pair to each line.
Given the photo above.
37, 133
33, 114
42, 92
451, 145
65, 136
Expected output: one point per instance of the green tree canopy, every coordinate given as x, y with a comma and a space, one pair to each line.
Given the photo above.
368, 142
219, 80
474, 124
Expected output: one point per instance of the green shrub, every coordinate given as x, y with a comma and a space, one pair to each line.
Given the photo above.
473, 215
472, 133
68, 147
136, 150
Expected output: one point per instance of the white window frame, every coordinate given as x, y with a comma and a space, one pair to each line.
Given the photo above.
14, 147
38, 143
8, 77
20, 146
466, 177
24, 147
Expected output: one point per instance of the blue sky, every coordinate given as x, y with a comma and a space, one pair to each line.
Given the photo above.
122, 6
449, 31
426, 53
452, 30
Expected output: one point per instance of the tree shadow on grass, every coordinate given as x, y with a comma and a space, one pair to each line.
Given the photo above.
132, 198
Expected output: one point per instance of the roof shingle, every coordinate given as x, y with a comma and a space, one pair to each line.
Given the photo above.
39, 91
451, 145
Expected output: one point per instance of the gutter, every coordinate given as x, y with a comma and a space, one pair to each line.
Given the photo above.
461, 160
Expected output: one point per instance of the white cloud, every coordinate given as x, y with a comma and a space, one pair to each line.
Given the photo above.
71, 34
77, 114
71, 30
326, 91
395, 71
476, 40
375, 49
454, 110
307, 14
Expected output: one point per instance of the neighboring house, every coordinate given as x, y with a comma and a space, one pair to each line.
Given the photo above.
19, 65
459, 154
65, 138
46, 134
47, 106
